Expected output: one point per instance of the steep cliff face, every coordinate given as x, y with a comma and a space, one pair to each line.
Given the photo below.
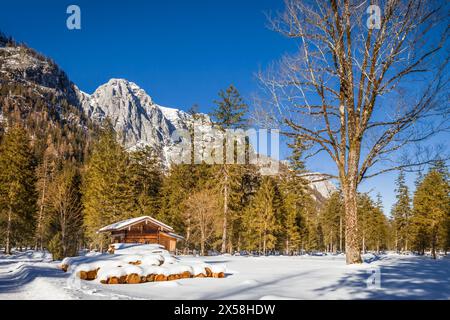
36, 87
23, 66
37, 93
136, 119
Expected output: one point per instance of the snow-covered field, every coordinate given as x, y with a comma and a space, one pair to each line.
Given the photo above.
32, 275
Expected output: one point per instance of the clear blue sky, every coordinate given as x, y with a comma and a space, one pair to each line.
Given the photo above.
181, 52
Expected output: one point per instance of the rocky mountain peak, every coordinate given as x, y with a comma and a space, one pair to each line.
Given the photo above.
137, 120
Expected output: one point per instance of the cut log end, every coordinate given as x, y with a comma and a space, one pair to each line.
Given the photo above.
219, 275
185, 275
83, 275
160, 277
133, 278
208, 272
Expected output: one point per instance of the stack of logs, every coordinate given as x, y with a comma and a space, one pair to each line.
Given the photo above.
134, 278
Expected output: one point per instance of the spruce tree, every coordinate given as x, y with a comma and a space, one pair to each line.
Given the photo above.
45, 172
109, 194
177, 185
229, 114
66, 224
297, 205
231, 109
373, 226
431, 213
146, 174
261, 219
401, 213
17, 189
332, 216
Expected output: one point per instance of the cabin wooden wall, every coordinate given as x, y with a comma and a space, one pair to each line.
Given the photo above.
145, 234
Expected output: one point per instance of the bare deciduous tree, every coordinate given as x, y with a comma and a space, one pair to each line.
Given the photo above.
202, 208
65, 204
360, 94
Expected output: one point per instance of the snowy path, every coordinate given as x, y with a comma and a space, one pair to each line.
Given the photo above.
33, 276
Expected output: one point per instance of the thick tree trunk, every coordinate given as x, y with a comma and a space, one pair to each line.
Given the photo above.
352, 246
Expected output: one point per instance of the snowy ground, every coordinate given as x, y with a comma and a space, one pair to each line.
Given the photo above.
32, 275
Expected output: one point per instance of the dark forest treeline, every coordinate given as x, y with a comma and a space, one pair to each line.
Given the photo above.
63, 177
58, 188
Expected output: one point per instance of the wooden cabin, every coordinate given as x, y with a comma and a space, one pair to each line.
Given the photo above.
145, 230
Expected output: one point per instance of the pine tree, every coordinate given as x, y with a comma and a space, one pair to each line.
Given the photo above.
17, 188
181, 182
45, 172
431, 212
109, 194
401, 213
229, 114
296, 158
146, 171
373, 225
297, 205
292, 222
261, 218
231, 109
332, 216
66, 212
440, 167
381, 225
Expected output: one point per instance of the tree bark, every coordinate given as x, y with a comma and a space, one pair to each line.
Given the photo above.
433, 242
352, 248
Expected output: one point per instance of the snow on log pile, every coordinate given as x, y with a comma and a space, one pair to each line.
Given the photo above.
134, 263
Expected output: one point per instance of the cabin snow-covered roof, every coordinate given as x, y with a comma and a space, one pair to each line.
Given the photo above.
130, 222
174, 235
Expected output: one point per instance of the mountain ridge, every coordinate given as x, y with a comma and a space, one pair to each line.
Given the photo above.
136, 118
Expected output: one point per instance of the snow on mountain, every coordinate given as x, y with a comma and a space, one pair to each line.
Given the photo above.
320, 185
137, 120
140, 122
132, 113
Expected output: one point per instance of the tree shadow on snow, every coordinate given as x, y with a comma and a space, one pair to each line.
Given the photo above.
257, 286
406, 278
